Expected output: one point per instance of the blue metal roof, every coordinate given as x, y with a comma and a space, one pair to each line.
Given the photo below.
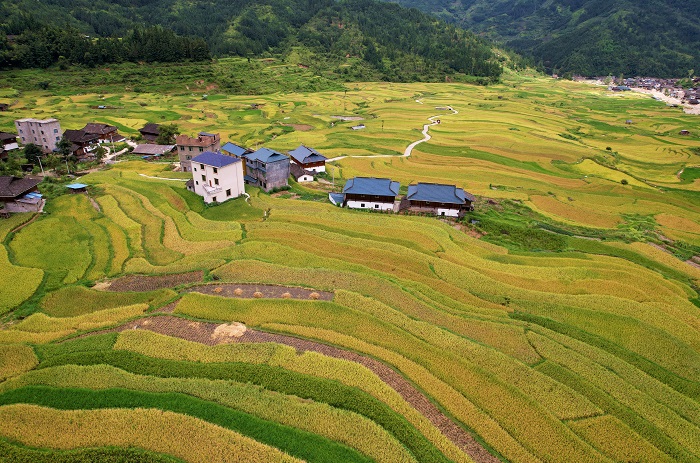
233, 149
304, 155
215, 159
437, 193
76, 186
371, 186
266, 155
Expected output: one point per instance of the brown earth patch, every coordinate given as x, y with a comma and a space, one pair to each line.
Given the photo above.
152, 283
300, 127
247, 291
206, 333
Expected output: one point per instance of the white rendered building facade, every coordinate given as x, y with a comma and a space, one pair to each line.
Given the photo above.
217, 177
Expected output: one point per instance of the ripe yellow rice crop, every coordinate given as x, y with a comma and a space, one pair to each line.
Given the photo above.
15, 359
155, 430
340, 425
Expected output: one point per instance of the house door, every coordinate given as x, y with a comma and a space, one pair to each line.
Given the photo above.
210, 183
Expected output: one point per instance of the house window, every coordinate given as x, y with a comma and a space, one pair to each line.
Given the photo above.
182, 148
196, 182
201, 166
216, 181
20, 131
33, 132
42, 132
190, 148
188, 157
57, 139
22, 138
376, 206
201, 149
195, 169
55, 130
362, 204
214, 199
204, 178
216, 171
44, 139
228, 192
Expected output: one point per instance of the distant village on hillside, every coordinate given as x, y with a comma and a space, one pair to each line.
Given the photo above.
219, 172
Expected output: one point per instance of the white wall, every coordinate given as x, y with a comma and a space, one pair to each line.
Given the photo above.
318, 169
306, 178
369, 205
230, 178
11, 146
448, 212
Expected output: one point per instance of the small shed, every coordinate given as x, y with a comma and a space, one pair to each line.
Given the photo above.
358, 127
629, 122
300, 174
684, 132
77, 187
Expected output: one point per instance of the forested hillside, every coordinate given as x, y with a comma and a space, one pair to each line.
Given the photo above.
589, 37
383, 41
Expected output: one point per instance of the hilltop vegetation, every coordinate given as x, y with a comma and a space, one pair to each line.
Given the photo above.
590, 37
561, 327
383, 41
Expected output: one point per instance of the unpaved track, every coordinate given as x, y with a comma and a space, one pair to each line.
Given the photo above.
203, 332
409, 149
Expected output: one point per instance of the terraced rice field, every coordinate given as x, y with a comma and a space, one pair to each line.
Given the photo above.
556, 330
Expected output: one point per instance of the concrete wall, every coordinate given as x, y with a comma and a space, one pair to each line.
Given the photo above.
42, 133
352, 204
229, 177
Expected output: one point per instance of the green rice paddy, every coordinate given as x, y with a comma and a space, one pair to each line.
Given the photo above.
563, 326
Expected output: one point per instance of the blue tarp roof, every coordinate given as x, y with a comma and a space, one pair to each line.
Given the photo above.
76, 186
304, 155
371, 186
266, 155
437, 193
215, 159
33, 195
233, 149
336, 198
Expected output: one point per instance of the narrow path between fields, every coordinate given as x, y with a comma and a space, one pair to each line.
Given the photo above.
207, 333
409, 149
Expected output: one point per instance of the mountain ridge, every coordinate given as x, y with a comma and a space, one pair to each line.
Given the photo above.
590, 37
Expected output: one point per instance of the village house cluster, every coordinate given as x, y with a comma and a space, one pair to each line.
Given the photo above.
220, 172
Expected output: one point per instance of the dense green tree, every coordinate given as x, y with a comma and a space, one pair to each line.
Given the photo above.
32, 153
167, 134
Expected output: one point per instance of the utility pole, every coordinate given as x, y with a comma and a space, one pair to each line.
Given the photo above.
42, 167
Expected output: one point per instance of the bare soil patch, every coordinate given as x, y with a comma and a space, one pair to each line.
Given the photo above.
247, 291
300, 127
152, 283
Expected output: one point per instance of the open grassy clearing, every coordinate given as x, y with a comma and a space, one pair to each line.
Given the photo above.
561, 334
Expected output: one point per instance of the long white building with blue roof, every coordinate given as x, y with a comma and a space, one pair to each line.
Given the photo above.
216, 177
438, 199
377, 194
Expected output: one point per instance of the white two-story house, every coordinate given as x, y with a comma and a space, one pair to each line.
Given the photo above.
216, 177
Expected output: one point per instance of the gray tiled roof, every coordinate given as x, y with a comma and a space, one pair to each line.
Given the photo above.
11, 187
215, 159
437, 193
304, 155
266, 155
371, 186
154, 150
